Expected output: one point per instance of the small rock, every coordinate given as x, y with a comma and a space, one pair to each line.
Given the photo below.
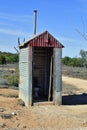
85, 122
2, 125
2, 109
6, 116
24, 126
21, 102
13, 113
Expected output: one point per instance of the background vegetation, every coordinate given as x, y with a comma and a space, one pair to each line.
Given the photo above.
8, 69
9, 72
6, 57
76, 62
9, 75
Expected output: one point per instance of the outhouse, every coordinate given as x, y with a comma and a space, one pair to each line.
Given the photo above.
40, 69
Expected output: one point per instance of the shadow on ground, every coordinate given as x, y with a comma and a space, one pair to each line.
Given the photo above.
74, 99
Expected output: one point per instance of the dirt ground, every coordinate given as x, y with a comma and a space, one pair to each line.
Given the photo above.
45, 117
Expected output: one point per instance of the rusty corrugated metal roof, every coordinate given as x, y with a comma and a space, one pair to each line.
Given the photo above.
44, 39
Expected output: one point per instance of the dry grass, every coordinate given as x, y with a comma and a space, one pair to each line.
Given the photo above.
76, 72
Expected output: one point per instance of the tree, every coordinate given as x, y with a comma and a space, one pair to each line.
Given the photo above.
2, 59
83, 34
6, 57
66, 60
83, 54
76, 62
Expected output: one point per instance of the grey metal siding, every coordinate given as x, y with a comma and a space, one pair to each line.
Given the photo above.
24, 75
57, 75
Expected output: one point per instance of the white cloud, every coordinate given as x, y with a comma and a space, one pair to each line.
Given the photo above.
7, 24
72, 46
6, 48
7, 20
18, 18
13, 32
72, 41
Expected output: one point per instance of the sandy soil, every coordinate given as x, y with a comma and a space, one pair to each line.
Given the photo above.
43, 117
78, 83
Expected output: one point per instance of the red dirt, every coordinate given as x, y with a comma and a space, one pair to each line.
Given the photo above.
43, 117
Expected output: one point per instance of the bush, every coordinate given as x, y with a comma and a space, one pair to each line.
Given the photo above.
13, 80
75, 62
2, 59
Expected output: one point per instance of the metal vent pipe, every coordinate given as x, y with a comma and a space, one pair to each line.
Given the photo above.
35, 20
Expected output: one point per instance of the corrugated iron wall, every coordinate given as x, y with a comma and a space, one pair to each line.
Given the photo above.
39, 50
24, 74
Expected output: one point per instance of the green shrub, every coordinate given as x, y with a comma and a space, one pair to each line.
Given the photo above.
13, 80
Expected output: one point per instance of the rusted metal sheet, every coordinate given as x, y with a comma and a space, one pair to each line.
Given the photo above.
44, 39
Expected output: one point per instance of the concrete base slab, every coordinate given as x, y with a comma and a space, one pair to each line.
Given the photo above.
58, 98
43, 103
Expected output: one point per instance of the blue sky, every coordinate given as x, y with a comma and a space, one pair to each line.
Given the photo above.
59, 17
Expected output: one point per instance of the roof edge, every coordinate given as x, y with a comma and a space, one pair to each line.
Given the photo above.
35, 36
